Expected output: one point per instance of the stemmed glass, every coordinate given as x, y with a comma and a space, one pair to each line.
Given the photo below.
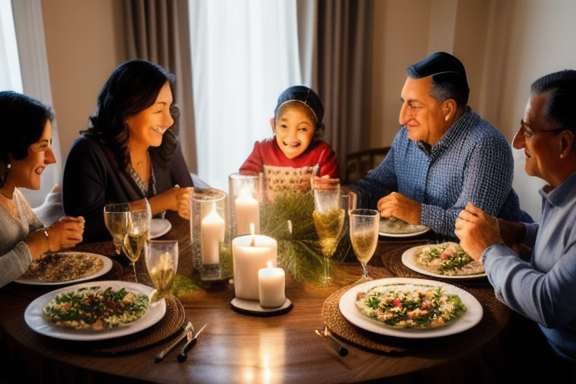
116, 220
162, 264
328, 216
364, 226
138, 231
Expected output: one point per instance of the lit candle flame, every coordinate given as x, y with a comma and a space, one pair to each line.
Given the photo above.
253, 242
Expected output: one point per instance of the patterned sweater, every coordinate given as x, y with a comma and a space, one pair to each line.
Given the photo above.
472, 162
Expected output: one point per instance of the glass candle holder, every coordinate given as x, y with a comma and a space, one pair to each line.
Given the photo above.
244, 192
209, 232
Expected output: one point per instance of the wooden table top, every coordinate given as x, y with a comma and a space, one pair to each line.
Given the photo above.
240, 348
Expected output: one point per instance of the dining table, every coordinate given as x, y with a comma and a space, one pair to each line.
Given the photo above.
245, 346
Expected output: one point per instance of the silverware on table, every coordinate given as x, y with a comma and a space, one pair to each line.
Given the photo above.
175, 342
192, 337
331, 340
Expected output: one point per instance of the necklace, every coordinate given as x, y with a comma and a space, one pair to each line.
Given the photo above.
9, 204
142, 168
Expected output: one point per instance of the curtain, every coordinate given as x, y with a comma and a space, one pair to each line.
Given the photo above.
245, 53
343, 73
29, 27
158, 31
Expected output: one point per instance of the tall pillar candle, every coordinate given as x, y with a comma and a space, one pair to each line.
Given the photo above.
212, 234
247, 212
250, 254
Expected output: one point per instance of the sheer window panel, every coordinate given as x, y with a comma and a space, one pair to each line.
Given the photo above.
10, 75
35, 82
244, 54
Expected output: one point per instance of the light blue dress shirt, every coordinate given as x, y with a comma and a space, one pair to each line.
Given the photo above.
543, 290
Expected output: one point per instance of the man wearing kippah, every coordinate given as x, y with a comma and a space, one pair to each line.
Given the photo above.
444, 156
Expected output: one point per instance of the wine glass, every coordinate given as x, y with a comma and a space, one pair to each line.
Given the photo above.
162, 263
364, 226
116, 220
328, 218
138, 231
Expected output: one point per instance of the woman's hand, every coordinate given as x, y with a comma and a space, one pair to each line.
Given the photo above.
175, 199
64, 233
184, 202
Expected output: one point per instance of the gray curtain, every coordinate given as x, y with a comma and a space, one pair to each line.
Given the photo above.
158, 31
342, 73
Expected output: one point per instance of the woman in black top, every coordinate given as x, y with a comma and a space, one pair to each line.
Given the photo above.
129, 152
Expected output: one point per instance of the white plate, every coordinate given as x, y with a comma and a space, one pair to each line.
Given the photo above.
107, 267
159, 227
407, 230
34, 316
409, 260
470, 318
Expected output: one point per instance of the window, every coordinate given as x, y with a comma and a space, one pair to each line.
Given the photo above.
244, 54
10, 76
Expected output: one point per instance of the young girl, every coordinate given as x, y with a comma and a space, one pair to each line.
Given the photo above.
296, 153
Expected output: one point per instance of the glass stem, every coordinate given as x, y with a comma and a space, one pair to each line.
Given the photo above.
134, 268
326, 268
365, 268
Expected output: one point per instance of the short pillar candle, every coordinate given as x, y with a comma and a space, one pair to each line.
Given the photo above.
271, 285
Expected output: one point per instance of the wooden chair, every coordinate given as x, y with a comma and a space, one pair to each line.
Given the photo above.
359, 163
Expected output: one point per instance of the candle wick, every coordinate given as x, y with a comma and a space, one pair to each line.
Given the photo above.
253, 241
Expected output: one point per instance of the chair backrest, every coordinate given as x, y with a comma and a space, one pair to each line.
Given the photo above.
359, 163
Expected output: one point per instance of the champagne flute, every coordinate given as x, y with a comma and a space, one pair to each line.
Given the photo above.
136, 235
364, 226
328, 218
116, 220
162, 264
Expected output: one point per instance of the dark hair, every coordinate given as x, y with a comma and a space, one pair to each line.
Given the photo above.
306, 97
132, 87
22, 122
449, 79
560, 108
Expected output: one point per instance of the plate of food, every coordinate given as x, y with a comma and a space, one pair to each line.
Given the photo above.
410, 308
94, 311
446, 260
159, 227
393, 227
65, 268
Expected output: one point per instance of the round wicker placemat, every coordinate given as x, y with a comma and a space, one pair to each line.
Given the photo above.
172, 322
338, 325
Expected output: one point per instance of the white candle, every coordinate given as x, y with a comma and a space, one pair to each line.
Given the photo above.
247, 212
271, 284
212, 234
248, 259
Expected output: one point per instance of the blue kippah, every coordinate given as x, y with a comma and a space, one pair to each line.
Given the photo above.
304, 95
436, 64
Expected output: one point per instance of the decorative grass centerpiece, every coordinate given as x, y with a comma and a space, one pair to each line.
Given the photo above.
288, 219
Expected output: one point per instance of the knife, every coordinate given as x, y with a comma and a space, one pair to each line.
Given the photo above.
189, 344
327, 337
170, 346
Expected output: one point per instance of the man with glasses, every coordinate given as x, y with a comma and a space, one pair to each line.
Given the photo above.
444, 156
542, 288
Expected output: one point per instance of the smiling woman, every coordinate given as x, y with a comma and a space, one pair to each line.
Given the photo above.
25, 151
129, 152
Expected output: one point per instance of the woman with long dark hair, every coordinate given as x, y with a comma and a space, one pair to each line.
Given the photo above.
129, 151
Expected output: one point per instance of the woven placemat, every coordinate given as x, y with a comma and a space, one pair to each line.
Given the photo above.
341, 327
172, 322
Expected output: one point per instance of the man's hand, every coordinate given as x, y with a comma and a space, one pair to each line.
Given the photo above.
476, 230
400, 207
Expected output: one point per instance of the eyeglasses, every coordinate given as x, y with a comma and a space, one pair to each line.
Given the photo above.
527, 131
